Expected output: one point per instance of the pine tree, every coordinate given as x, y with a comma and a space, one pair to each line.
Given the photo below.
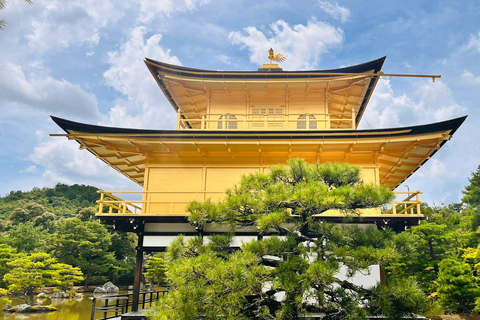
472, 191
39, 270
306, 255
457, 286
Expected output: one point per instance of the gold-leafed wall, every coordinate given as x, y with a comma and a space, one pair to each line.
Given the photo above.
170, 187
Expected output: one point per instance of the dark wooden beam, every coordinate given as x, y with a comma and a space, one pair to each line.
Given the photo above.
138, 269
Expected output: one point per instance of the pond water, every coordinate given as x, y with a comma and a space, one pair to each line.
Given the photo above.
68, 309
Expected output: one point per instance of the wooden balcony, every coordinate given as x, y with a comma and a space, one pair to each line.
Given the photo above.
409, 205
266, 121
151, 203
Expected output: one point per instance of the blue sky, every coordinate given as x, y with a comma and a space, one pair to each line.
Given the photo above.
83, 60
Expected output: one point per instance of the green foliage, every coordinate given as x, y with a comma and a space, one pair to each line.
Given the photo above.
7, 254
3, 298
63, 201
87, 214
33, 221
71, 293
39, 270
398, 298
303, 190
156, 269
219, 286
457, 288
85, 245
26, 237
472, 191
302, 266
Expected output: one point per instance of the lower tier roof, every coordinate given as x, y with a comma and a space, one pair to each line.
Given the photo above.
398, 152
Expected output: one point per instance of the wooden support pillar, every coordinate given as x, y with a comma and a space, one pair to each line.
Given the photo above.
382, 274
138, 270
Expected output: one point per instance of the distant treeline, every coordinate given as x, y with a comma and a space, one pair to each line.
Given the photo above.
60, 221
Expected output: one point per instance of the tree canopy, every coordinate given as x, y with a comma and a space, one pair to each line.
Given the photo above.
61, 221
39, 270
296, 268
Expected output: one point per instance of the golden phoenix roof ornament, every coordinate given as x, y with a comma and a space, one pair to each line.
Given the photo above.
279, 57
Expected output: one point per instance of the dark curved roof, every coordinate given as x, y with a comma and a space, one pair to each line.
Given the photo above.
86, 135
157, 67
451, 125
375, 65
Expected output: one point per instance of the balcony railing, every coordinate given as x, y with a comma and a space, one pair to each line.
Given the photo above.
409, 205
154, 203
235, 121
111, 306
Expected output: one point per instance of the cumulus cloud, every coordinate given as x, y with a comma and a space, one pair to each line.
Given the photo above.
470, 78
63, 162
224, 59
431, 102
335, 10
37, 89
304, 45
150, 9
144, 104
31, 168
473, 43
437, 171
63, 23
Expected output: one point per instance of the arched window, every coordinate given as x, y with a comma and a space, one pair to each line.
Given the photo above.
228, 124
303, 124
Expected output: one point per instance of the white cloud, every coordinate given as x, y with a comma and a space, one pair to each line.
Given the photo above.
31, 168
150, 9
335, 10
431, 102
63, 162
436, 170
470, 78
304, 45
41, 91
224, 59
473, 43
437, 102
144, 104
63, 23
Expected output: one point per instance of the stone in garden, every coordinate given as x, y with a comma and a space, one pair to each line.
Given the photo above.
43, 309
23, 308
99, 290
59, 295
110, 287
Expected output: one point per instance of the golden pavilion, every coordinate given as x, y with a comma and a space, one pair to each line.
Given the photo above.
230, 123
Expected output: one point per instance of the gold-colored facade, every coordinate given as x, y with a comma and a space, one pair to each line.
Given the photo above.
234, 123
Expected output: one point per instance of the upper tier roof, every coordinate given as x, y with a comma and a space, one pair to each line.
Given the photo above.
346, 89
